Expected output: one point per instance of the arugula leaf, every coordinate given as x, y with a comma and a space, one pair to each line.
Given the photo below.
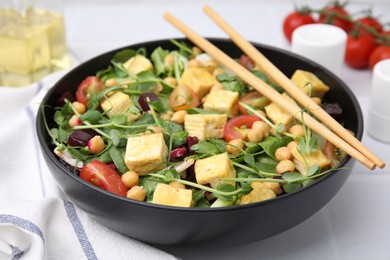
92, 116
292, 186
158, 56
271, 143
224, 187
124, 55
206, 147
198, 196
149, 185
117, 157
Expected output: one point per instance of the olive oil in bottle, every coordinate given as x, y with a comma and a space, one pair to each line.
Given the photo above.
32, 45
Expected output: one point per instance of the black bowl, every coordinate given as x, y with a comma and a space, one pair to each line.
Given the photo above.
188, 226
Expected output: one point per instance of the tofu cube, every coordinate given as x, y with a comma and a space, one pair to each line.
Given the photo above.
278, 115
304, 161
260, 192
165, 194
200, 80
146, 153
205, 126
224, 101
212, 169
137, 64
119, 103
309, 83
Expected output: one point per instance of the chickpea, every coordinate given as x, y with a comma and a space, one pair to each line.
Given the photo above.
158, 88
74, 120
263, 127
235, 146
210, 65
171, 80
254, 135
96, 144
154, 129
218, 71
178, 116
194, 63
316, 100
136, 193
285, 166
168, 61
110, 82
167, 115
282, 153
197, 50
177, 185
297, 130
130, 179
80, 108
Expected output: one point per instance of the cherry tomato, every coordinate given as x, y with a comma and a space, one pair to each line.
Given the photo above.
370, 22
358, 50
88, 87
253, 99
103, 176
381, 52
230, 129
294, 20
330, 152
247, 62
183, 97
337, 21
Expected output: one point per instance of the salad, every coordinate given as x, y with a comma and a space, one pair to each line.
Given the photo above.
173, 127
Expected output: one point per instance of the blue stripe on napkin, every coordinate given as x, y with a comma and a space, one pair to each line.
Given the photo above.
22, 223
16, 253
79, 230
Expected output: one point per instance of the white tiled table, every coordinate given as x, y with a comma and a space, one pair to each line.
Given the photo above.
356, 223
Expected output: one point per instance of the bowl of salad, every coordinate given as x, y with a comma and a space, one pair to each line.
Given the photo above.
159, 142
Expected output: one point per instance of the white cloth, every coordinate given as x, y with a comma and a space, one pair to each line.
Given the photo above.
36, 220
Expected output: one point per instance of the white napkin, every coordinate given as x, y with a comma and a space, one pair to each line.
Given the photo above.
37, 221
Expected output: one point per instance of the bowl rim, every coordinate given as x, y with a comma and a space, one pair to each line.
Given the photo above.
54, 159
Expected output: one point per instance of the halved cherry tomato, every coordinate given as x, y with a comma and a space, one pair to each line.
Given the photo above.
230, 129
253, 99
330, 18
183, 97
103, 176
88, 87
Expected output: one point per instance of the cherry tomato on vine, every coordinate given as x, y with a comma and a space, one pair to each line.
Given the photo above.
230, 129
103, 176
330, 18
358, 50
295, 20
370, 22
183, 97
381, 52
88, 87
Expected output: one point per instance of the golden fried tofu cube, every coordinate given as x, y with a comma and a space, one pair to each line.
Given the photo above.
205, 126
213, 169
260, 192
278, 115
137, 64
146, 153
200, 80
224, 101
165, 194
309, 83
304, 161
119, 103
